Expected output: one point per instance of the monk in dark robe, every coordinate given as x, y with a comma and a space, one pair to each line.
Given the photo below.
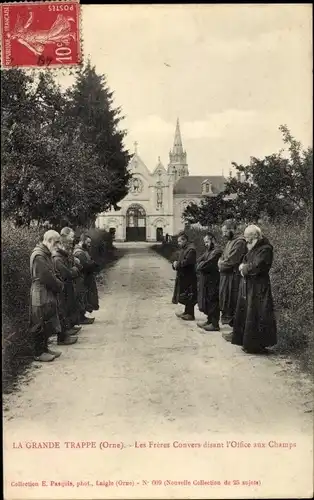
66, 273
185, 291
228, 266
44, 316
254, 323
73, 299
89, 286
208, 284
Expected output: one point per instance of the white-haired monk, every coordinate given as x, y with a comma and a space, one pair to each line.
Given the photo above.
44, 319
254, 325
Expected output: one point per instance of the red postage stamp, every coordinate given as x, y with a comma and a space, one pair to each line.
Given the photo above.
37, 34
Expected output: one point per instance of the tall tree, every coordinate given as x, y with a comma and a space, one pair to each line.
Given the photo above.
53, 158
91, 105
36, 158
276, 186
211, 210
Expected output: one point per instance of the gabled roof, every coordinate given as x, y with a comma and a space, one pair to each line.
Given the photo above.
160, 167
136, 164
192, 184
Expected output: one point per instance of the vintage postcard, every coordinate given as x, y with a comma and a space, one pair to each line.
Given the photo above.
157, 176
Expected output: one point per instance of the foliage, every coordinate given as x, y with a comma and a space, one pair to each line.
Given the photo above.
273, 187
291, 279
211, 210
53, 145
17, 245
292, 282
91, 105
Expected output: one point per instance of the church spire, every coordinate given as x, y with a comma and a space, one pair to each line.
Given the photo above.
177, 145
177, 165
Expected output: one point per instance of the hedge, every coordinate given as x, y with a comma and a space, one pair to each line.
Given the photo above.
292, 282
17, 245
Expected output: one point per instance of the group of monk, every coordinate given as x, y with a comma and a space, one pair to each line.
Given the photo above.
231, 286
63, 291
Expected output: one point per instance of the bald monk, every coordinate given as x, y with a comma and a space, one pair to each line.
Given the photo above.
44, 319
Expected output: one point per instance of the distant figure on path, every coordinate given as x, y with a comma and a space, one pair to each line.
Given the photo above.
185, 291
208, 284
228, 265
89, 267
44, 318
254, 323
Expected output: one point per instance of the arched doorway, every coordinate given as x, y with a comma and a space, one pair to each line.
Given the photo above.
136, 223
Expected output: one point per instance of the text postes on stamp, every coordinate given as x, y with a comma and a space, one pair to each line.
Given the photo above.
40, 34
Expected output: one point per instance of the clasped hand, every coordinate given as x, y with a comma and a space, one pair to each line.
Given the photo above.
241, 266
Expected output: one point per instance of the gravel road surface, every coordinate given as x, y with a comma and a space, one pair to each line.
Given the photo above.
184, 407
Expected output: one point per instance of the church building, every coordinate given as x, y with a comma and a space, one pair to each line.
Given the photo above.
156, 199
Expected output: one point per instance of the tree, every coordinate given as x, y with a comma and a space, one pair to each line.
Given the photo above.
19, 139
62, 154
45, 172
275, 186
301, 170
91, 105
211, 210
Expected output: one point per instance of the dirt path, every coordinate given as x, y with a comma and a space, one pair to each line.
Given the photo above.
139, 374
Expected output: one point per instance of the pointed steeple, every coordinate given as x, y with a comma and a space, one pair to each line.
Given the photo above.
177, 145
177, 165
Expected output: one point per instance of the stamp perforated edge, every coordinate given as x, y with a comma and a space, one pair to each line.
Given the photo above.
55, 67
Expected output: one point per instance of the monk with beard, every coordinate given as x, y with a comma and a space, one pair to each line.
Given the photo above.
254, 324
208, 284
228, 265
88, 286
67, 273
185, 290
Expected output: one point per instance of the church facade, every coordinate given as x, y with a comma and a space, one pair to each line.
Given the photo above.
156, 199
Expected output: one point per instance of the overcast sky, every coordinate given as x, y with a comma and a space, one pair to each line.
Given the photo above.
232, 74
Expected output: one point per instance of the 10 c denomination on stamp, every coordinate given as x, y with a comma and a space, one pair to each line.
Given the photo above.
37, 34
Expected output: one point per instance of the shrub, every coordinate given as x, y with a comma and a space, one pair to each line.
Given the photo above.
102, 247
17, 245
292, 283
291, 278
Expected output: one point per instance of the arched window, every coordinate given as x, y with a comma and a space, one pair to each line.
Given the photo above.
207, 188
136, 223
136, 216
